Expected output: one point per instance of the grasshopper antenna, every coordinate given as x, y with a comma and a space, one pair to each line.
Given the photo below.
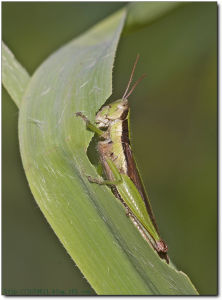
131, 76
125, 96
135, 84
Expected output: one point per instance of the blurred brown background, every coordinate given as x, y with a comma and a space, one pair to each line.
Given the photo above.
174, 132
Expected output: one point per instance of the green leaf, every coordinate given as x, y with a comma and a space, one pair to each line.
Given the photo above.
14, 77
89, 221
141, 14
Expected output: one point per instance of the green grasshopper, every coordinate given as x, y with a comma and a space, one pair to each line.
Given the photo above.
119, 167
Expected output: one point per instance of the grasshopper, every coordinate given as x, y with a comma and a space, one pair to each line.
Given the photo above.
119, 166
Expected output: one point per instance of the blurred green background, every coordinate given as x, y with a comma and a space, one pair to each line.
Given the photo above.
174, 135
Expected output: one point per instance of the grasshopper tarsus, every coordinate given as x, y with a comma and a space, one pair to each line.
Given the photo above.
94, 180
81, 115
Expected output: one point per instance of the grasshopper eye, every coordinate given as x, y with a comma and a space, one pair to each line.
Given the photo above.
121, 106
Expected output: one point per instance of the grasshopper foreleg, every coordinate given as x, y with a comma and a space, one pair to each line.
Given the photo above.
89, 124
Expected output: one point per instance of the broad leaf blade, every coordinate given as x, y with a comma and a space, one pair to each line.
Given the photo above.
14, 77
89, 221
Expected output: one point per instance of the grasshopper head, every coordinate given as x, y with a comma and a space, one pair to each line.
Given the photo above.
117, 110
